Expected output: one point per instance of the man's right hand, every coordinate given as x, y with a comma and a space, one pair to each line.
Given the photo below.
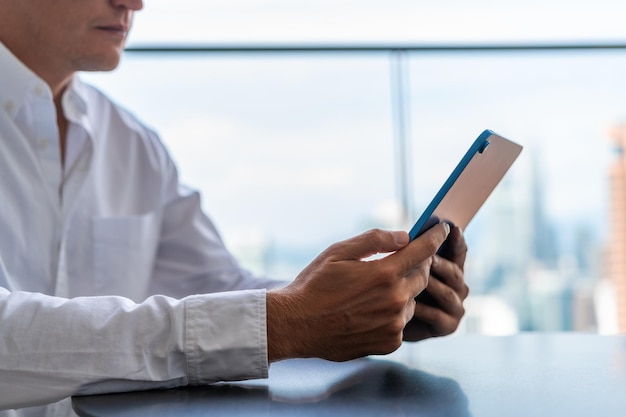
343, 306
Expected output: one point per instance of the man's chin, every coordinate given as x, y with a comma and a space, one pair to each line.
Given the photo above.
101, 63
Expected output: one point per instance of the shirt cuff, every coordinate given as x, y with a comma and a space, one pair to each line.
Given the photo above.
226, 336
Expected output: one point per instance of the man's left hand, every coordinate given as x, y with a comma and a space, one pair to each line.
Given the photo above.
439, 308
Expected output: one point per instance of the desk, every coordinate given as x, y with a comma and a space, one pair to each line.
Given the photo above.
530, 375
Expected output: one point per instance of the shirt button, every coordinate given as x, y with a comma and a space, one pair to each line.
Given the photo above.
72, 113
42, 144
39, 90
9, 106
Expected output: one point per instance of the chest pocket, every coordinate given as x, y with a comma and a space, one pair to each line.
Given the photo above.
123, 254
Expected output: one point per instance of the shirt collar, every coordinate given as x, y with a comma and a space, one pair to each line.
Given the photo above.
18, 80
75, 100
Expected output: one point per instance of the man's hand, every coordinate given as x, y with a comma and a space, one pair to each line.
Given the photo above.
439, 308
342, 306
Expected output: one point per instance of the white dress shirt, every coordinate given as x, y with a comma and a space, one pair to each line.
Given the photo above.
111, 277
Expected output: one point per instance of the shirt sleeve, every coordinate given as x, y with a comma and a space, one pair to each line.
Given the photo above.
51, 348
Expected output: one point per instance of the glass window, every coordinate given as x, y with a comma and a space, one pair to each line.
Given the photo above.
293, 151
290, 153
538, 242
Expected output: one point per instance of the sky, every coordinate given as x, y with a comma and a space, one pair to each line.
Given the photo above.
379, 20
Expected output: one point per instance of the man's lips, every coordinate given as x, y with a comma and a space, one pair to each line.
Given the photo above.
119, 29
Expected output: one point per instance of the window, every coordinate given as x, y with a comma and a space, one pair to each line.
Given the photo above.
293, 151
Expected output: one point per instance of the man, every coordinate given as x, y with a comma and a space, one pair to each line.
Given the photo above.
112, 278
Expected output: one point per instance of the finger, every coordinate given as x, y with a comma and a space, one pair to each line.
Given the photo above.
370, 243
440, 323
451, 274
419, 250
409, 311
445, 298
416, 330
455, 247
417, 280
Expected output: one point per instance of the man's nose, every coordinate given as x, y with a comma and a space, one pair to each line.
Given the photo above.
128, 4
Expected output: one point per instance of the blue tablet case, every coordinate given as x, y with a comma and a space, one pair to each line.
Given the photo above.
470, 183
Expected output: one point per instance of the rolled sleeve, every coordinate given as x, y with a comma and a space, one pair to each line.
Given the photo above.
226, 337
51, 348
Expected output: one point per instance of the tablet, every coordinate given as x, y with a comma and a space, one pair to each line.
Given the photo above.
471, 182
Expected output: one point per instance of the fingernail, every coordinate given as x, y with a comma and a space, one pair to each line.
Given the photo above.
401, 238
447, 226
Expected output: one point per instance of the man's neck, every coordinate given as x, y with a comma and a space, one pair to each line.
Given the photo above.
62, 124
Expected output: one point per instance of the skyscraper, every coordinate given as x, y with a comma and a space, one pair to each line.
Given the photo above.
617, 238
544, 243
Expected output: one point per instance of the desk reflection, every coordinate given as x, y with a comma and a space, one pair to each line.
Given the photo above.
310, 387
